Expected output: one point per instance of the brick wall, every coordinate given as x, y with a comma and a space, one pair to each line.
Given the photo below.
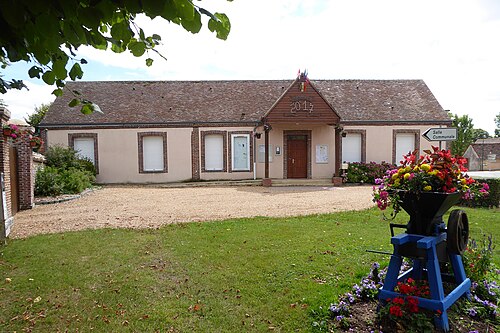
4, 158
25, 169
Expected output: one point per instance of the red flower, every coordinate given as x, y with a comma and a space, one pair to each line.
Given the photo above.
412, 304
395, 311
398, 300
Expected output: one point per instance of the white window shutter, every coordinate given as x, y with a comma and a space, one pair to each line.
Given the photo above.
85, 148
351, 148
214, 152
152, 151
405, 143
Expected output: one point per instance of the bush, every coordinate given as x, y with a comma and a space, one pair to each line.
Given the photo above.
65, 173
62, 158
491, 200
48, 182
367, 172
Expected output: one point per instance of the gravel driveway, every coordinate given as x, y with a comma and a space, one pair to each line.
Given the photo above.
150, 207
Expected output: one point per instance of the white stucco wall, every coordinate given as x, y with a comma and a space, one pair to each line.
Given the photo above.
118, 154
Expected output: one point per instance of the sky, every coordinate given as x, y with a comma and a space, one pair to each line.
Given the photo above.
453, 45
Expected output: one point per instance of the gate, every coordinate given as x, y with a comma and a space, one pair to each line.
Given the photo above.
14, 180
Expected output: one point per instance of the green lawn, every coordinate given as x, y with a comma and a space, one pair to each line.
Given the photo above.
237, 275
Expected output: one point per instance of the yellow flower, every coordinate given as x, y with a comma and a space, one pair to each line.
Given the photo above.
401, 170
407, 176
425, 167
463, 181
428, 188
416, 168
396, 182
408, 169
395, 176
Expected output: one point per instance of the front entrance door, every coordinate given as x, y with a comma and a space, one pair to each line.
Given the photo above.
297, 156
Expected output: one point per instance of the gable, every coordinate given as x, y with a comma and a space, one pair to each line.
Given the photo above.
302, 104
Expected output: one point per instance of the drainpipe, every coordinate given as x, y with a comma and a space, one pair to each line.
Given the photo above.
255, 152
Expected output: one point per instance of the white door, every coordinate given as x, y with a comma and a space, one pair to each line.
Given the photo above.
351, 148
241, 152
85, 148
152, 152
405, 143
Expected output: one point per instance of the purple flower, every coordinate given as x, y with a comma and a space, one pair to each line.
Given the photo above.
472, 312
339, 318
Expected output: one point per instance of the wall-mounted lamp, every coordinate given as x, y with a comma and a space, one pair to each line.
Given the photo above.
343, 133
278, 150
257, 135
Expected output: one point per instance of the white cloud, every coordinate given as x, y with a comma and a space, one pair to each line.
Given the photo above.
21, 103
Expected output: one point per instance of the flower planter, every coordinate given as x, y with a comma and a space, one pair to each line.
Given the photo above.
7, 132
426, 210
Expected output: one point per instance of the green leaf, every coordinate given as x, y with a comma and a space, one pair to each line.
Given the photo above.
59, 68
74, 102
121, 31
149, 62
49, 77
58, 92
221, 26
34, 72
83, 61
76, 72
193, 25
87, 109
137, 48
185, 9
60, 83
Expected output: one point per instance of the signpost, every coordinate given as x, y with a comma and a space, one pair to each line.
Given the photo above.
441, 134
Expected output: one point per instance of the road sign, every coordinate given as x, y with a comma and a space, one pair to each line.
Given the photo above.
441, 134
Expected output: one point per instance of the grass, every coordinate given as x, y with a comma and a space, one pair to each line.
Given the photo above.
249, 275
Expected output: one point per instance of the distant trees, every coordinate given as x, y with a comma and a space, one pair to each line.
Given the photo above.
465, 134
497, 122
36, 117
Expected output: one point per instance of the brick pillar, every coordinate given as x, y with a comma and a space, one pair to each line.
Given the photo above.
25, 169
5, 159
195, 153
7, 220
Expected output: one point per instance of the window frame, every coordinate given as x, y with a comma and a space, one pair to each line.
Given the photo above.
224, 150
363, 143
248, 135
415, 132
71, 144
140, 144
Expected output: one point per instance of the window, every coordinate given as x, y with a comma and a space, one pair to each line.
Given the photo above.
351, 148
240, 152
214, 152
85, 144
85, 148
404, 142
152, 152
262, 153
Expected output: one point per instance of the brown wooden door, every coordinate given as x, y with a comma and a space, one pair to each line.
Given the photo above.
297, 156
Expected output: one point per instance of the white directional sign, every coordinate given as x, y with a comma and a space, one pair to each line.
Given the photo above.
441, 134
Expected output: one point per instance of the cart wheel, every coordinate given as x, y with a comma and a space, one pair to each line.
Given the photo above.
458, 232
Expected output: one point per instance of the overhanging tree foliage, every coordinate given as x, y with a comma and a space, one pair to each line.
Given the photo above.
36, 117
48, 34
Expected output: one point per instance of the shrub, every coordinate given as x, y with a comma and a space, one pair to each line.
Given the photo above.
65, 173
479, 200
48, 182
367, 172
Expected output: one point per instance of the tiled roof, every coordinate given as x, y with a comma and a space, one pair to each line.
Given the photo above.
149, 102
490, 146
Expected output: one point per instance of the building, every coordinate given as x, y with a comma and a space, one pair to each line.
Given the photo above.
168, 131
484, 155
